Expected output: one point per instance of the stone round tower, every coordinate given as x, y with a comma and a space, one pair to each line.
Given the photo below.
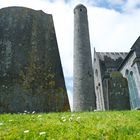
83, 85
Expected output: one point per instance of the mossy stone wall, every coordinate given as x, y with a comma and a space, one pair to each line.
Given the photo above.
31, 76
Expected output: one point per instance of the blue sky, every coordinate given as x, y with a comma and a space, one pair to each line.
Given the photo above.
114, 26
106, 4
117, 5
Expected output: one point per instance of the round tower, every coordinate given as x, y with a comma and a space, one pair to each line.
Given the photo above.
83, 85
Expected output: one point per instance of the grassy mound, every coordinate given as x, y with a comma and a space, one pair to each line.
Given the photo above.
116, 125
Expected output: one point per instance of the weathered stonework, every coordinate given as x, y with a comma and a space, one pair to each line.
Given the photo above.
130, 68
104, 63
31, 76
116, 93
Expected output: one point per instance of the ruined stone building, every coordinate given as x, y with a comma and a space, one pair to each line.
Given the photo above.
110, 86
31, 76
130, 69
116, 74
117, 79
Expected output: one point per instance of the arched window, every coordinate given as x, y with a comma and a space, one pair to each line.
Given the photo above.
134, 99
131, 73
126, 72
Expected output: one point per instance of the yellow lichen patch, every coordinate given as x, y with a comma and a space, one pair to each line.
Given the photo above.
51, 83
60, 90
116, 74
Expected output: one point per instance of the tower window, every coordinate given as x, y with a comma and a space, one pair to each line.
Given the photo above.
96, 72
131, 73
80, 9
126, 72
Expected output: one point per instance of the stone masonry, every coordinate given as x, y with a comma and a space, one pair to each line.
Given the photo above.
83, 92
31, 76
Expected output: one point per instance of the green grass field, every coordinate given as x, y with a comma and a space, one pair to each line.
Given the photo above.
113, 125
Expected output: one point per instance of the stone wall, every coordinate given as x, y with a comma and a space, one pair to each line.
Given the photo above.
98, 82
31, 76
130, 70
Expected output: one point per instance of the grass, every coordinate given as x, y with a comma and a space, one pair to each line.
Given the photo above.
112, 125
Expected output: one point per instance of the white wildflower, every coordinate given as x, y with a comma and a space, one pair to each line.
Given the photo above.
39, 116
70, 119
26, 131
42, 133
78, 119
25, 111
1, 124
33, 112
64, 120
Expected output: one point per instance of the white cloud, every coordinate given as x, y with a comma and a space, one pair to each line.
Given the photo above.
118, 2
109, 29
131, 5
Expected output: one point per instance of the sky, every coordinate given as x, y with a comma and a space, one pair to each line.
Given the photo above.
114, 26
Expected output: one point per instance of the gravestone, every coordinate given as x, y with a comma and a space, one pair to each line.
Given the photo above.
116, 93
